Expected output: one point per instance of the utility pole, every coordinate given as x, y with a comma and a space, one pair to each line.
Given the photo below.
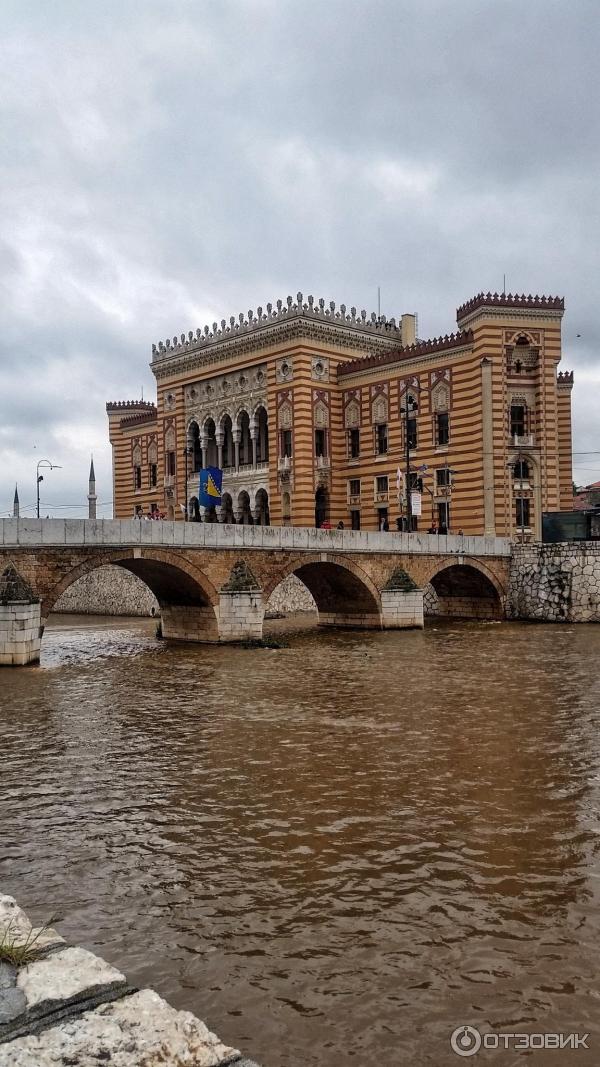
409, 406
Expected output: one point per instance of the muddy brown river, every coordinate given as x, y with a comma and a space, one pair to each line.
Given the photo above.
334, 853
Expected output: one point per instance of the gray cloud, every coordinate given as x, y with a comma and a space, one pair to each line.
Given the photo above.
169, 164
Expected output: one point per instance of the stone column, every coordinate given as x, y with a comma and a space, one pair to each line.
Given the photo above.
237, 433
203, 449
254, 439
220, 451
488, 448
20, 621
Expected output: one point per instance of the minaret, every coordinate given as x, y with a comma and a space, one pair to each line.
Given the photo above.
92, 498
16, 504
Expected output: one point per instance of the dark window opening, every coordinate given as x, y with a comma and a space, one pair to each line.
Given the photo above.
286, 443
381, 438
416, 482
442, 477
320, 443
137, 477
355, 520
442, 428
412, 432
153, 475
517, 420
382, 483
354, 487
521, 470
523, 512
170, 464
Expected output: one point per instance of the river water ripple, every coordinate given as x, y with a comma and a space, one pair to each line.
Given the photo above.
334, 853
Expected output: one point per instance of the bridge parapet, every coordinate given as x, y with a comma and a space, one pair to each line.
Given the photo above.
32, 533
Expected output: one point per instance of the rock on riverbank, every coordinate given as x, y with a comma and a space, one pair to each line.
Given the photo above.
64, 1005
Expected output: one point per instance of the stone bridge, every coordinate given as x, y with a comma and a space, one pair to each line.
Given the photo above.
213, 581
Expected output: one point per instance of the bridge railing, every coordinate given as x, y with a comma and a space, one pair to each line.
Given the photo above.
31, 533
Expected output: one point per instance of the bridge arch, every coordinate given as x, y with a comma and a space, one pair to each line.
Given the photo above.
343, 592
186, 596
466, 589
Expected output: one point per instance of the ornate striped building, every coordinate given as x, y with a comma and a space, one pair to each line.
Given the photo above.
322, 415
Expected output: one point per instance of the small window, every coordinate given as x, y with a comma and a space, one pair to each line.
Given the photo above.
517, 420
137, 477
442, 428
320, 443
354, 443
286, 443
412, 432
442, 477
382, 483
416, 482
170, 464
153, 475
381, 438
354, 486
523, 513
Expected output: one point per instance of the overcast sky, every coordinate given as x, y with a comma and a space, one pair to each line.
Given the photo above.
168, 164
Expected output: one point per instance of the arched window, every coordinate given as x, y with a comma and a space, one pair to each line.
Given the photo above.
440, 400
209, 435
228, 446
245, 439
194, 444
262, 438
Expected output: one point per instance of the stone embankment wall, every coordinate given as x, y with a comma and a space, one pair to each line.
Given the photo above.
67, 1006
555, 582
115, 591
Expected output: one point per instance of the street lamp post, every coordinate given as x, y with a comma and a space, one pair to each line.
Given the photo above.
40, 477
187, 453
409, 406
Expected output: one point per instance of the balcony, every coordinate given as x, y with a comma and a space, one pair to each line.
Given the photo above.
354, 499
523, 440
169, 481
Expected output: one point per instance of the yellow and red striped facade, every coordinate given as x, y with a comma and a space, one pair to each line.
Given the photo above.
305, 409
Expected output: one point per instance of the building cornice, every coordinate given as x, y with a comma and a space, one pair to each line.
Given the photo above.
310, 320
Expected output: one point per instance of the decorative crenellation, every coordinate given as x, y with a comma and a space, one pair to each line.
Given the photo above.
510, 300
420, 348
565, 377
247, 323
116, 405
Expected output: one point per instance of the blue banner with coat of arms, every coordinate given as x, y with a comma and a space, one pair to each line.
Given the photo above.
211, 483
